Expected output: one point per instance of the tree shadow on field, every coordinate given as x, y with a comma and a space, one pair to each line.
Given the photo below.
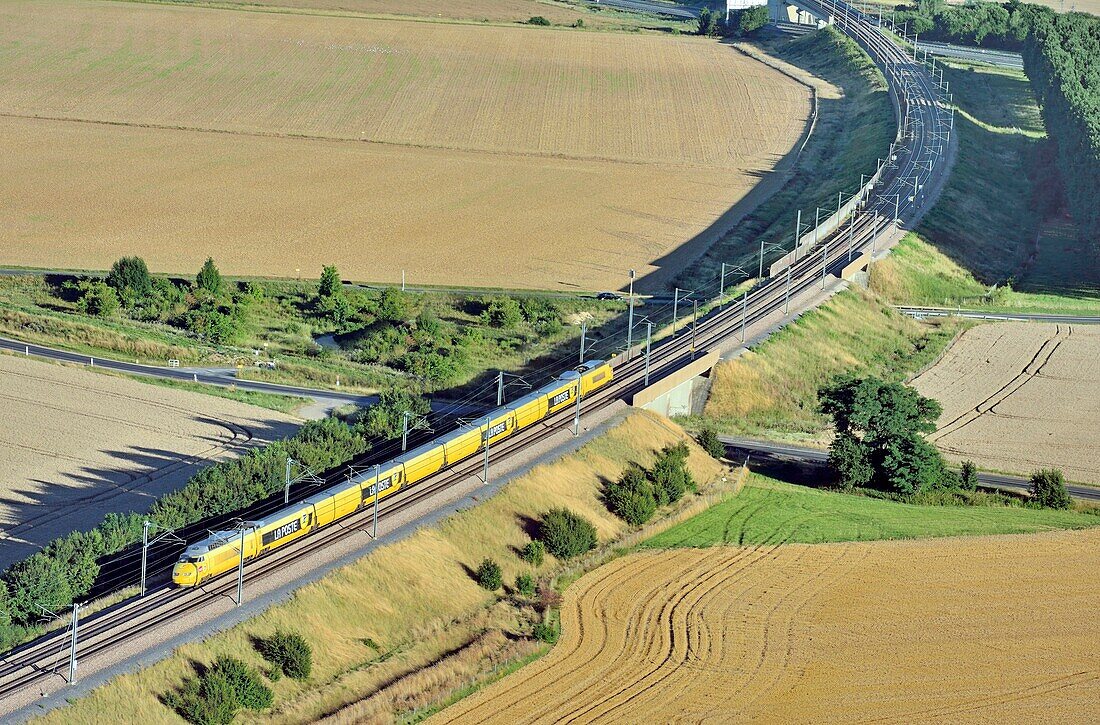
36, 511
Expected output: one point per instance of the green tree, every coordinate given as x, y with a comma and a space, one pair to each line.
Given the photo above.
386, 418
525, 585
566, 534
538, 20
38, 586
503, 312
670, 474
878, 434
1048, 489
97, 299
393, 305
968, 476
330, 285
130, 278
489, 575
209, 279
708, 23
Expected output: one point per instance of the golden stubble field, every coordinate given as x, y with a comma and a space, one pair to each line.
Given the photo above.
75, 445
993, 629
1020, 396
462, 154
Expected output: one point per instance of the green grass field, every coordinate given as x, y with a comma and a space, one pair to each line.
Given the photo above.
916, 273
770, 512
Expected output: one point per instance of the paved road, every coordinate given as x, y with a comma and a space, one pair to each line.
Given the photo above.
782, 452
675, 11
923, 312
1001, 58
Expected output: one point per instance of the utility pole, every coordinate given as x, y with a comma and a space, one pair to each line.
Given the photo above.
584, 331
500, 388
377, 483
694, 324
286, 487
722, 287
744, 312
648, 339
787, 299
489, 422
144, 552
851, 233
577, 412
405, 430
72, 645
630, 320
240, 569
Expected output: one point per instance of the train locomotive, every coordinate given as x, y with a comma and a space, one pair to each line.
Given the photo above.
220, 552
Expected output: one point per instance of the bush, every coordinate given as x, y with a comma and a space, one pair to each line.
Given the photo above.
1048, 489
97, 299
489, 576
209, 279
631, 498
215, 696
545, 632
708, 439
538, 20
503, 312
289, 652
566, 534
670, 474
525, 585
533, 553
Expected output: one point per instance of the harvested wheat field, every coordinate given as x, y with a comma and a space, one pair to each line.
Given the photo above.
959, 630
75, 445
1020, 396
501, 11
277, 143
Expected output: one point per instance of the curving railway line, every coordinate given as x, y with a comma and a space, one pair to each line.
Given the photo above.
42, 665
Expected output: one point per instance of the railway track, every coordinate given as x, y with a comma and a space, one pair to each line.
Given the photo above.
42, 664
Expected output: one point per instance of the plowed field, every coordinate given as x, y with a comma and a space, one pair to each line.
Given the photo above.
997, 629
75, 445
1020, 396
275, 143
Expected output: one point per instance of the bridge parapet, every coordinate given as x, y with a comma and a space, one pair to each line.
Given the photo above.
681, 392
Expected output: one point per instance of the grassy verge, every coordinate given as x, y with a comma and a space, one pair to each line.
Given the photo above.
771, 512
916, 273
288, 404
771, 391
411, 603
854, 128
986, 220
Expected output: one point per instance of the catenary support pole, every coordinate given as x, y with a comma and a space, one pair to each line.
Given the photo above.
648, 340
675, 308
744, 312
72, 644
694, 324
851, 233
722, 287
630, 319
485, 471
377, 488
500, 388
577, 411
144, 552
874, 236
584, 331
787, 296
405, 430
286, 480
240, 570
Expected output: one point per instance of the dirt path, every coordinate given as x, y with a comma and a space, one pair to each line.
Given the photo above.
955, 629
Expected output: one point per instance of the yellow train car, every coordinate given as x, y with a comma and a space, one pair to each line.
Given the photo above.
220, 552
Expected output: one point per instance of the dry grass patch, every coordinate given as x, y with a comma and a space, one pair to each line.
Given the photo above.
772, 390
75, 445
413, 599
810, 633
1021, 396
276, 142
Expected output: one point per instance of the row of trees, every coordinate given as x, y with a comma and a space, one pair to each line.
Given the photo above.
880, 444
1062, 59
737, 24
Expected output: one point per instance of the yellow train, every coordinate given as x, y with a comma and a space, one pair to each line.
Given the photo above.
220, 552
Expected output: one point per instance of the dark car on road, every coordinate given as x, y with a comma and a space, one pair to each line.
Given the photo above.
609, 296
